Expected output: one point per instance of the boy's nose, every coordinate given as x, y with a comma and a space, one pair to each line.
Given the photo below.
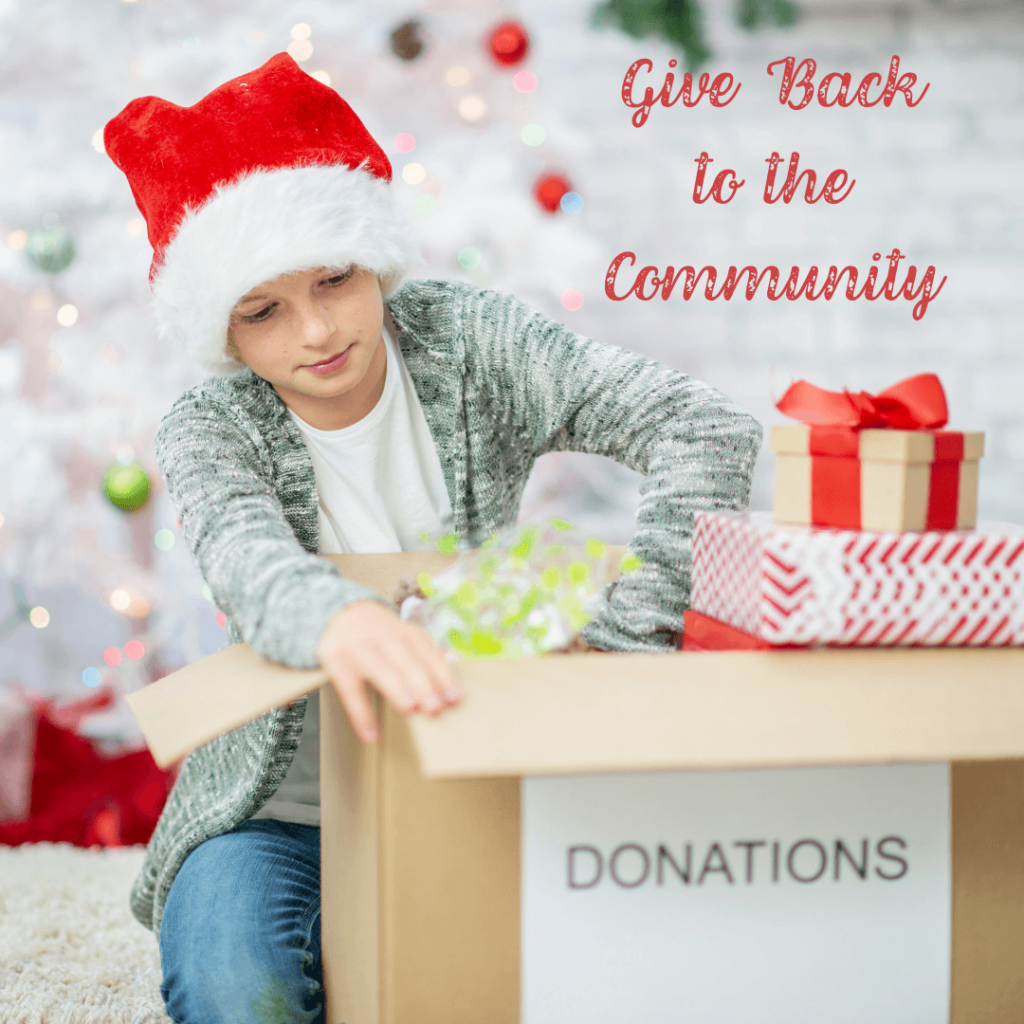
316, 322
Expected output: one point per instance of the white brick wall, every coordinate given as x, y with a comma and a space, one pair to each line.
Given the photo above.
942, 182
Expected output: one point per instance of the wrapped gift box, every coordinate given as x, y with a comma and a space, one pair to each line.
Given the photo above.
875, 462
791, 585
888, 480
433, 840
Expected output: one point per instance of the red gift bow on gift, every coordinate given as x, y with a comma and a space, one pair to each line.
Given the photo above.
913, 404
917, 403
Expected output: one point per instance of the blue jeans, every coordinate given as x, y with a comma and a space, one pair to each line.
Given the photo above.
240, 935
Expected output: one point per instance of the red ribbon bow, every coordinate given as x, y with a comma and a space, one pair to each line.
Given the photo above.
913, 404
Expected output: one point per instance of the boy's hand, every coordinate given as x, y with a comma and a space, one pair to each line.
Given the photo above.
366, 644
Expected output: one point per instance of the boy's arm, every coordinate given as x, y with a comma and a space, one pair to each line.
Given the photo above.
562, 392
280, 596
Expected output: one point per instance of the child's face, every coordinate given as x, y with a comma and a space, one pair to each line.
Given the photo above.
284, 328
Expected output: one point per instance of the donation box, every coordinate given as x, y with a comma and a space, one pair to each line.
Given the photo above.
689, 838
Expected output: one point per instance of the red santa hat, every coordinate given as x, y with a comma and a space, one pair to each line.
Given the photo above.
270, 173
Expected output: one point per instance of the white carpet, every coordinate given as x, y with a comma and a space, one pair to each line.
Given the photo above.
70, 950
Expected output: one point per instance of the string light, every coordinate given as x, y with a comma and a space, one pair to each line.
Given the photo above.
39, 617
457, 76
524, 81
469, 258
571, 202
164, 540
413, 174
532, 134
472, 108
572, 299
300, 49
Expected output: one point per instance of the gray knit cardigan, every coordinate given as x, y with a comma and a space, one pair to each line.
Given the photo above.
500, 385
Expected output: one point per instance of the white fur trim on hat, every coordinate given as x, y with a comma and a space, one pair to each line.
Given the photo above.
265, 224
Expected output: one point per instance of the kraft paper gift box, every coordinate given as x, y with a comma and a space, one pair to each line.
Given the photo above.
876, 479
423, 840
874, 462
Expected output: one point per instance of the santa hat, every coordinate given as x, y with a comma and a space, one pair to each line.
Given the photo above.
270, 173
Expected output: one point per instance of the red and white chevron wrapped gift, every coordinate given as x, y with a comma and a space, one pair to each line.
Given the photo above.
794, 585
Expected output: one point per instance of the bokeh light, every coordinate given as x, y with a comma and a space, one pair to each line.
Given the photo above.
457, 76
17, 239
571, 202
300, 49
472, 107
425, 205
469, 258
136, 226
112, 656
405, 143
572, 299
91, 677
524, 81
134, 649
413, 174
67, 315
207, 592
301, 31
39, 617
119, 600
164, 539
97, 141
532, 134
321, 76
221, 619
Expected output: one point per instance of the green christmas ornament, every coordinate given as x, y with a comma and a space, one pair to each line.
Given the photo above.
51, 246
127, 487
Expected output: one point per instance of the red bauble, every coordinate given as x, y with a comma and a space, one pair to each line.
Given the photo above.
508, 43
549, 191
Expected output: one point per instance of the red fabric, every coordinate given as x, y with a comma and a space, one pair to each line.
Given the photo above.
943, 496
909, 405
276, 116
949, 445
838, 442
81, 797
835, 492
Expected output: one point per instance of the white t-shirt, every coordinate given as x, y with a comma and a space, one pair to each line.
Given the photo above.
381, 487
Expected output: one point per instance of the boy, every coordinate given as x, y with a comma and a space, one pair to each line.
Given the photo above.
350, 415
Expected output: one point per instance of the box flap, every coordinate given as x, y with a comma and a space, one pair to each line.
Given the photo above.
623, 712
212, 696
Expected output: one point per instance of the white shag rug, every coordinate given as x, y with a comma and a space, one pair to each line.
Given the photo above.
70, 950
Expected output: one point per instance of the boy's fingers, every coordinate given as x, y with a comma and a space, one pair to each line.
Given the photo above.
355, 698
378, 669
442, 675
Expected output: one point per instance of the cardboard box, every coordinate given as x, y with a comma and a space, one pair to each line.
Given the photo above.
887, 480
421, 833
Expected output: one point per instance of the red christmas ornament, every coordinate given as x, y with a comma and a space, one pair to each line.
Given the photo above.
508, 43
549, 191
